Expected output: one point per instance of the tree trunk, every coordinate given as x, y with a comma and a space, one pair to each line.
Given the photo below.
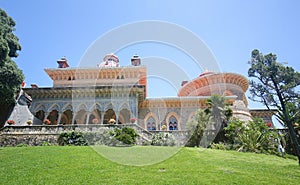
294, 140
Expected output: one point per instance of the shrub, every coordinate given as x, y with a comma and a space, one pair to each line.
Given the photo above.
11, 122
45, 143
219, 146
47, 121
29, 122
252, 136
72, 138
163, 139
126, 135
22, 145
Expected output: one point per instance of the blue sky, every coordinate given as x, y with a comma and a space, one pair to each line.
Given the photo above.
231, 29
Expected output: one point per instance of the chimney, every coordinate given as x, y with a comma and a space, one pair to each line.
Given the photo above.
135, 60
63, 63
34, 86
184, 82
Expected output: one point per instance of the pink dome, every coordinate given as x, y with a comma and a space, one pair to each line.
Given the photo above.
206, 72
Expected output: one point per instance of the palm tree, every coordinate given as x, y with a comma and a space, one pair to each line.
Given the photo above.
220, 113
197, 128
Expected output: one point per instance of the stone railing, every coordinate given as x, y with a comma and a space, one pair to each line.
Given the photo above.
13, 135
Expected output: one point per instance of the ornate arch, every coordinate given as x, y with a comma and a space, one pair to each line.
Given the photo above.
67, 106
54, 106
175, 115
40, 107
96, 106
124, 105
109, 106
148, 116
81, 106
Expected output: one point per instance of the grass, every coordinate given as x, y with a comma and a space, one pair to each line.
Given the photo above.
84, 165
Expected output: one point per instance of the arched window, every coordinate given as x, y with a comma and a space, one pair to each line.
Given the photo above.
151, 125
173, 123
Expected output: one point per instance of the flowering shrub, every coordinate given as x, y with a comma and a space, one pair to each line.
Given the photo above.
11, 122
269, 124
163, 139
47, 121
112, 121
29, 122
132, 120
95, 121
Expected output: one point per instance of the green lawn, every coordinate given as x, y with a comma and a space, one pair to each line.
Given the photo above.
84, 165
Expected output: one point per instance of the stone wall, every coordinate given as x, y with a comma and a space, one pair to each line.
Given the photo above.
35, 135
28, 139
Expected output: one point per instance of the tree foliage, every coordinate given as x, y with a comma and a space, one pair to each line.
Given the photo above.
252, 136
196, 127
221, 113
275, 85
11, 76
212, 119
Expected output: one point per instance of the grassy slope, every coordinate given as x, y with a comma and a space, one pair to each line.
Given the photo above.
83, 165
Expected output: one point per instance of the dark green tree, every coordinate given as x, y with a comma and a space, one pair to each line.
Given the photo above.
275, 85
11, 77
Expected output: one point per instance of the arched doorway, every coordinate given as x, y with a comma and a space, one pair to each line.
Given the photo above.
66, 117
95, 117
40, 115
80, 117
109, 114
124, 116
53, 116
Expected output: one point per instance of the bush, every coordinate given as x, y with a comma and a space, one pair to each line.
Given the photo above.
219, 146
252, 136
45, 143
72, 138
163, 139
22, 145
126, 135
105, 136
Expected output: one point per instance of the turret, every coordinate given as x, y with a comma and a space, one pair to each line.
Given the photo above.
136, 60
63, 63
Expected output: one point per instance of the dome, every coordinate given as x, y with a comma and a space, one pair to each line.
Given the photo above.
206, 72
110, 60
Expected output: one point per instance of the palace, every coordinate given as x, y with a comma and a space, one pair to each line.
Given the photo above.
84, 96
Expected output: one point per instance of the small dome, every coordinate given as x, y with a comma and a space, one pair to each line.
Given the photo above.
110, 60
206, 72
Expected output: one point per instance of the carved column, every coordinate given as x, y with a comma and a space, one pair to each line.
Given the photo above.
73, 118
59, 117
87, 118
102, 118
46, 115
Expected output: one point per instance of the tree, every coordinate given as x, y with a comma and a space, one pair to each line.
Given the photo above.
275, 86
196, 127
11, 77
221, 113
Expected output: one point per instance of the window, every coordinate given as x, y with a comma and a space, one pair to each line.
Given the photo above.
151, 125
173, 123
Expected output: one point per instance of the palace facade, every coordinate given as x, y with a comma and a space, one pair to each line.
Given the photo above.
111, 92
